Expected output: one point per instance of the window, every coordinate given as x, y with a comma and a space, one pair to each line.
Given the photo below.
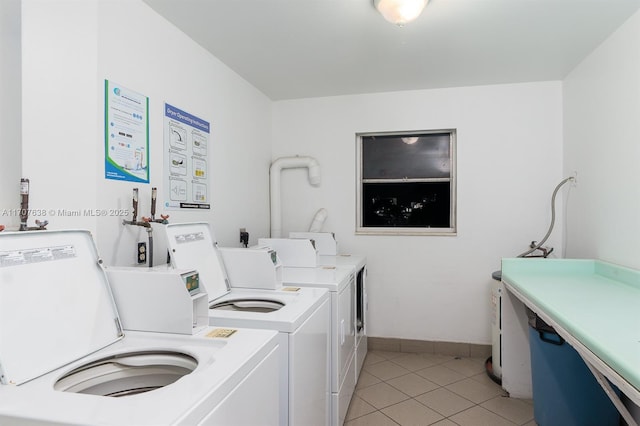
406, 183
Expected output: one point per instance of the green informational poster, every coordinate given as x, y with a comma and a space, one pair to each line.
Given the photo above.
126, 134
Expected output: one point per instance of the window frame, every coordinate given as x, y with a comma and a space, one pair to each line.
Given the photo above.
398, 231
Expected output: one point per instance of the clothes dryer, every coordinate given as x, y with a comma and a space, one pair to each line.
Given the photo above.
340, 281
65, 359
361, 302
299, 315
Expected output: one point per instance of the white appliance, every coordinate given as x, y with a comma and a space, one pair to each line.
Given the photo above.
327, 247
161, 300
324, 242
361, 302
65, 359
299, 315
340, 281
254, 267
300, 253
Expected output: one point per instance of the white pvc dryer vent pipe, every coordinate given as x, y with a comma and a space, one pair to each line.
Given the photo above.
274, 187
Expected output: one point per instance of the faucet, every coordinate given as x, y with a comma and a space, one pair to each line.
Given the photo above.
146, 221
24, 210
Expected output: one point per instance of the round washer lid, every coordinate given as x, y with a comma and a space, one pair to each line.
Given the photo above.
193, 246
55, 303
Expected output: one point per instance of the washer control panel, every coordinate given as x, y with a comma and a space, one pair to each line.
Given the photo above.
192, 282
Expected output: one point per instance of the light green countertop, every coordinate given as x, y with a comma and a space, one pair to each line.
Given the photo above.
598, 303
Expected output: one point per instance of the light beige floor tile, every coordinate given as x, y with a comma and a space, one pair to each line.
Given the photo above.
373, 419
466, 366
445, 422
437, 358
373, 358
412, 384
440, 375
516, 410
358, 408
414, 362
381, 395
412, 413
444, 402
385, 370
485, 379
366, 379
478, 416
441, 386
475, 391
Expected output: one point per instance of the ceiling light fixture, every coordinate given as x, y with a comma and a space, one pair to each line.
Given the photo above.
400, 12
410, 140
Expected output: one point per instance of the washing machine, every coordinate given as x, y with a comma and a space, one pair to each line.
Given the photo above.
66, 360
299, 315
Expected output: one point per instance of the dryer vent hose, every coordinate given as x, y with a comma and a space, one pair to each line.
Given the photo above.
318, 220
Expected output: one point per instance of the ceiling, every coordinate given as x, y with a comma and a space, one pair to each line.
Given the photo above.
292, 49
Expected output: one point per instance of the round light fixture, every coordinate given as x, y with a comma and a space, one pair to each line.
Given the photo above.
400, 12
410, 140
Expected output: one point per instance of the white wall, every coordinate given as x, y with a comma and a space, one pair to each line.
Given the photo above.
59, 115
70, 48
167, 66
509, 159
602, 142
10, 112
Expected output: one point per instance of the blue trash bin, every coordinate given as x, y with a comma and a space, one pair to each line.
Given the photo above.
565, 392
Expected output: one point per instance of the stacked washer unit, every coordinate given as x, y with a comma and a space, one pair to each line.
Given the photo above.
300, 316
300, 259
65, 358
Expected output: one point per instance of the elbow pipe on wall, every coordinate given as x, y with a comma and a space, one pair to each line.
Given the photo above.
313, 167
318, 220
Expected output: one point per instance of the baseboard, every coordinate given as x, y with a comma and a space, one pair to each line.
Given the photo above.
390, 344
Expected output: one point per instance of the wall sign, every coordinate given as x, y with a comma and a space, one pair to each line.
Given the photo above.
186, 160
126, 134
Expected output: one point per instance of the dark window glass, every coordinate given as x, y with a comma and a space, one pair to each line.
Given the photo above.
407, 156
406, 204
407, 180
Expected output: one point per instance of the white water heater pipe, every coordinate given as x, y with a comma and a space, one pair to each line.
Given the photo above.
274, 185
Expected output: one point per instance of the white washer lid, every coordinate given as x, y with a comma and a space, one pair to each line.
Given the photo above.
55, 303
193, 246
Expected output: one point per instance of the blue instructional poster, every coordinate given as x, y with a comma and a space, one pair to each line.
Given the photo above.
186, 159
126, 134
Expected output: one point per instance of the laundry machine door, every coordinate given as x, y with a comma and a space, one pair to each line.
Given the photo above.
51, 282
344, 334
361, 319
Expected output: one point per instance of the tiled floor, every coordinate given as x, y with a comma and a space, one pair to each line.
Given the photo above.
405, 389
